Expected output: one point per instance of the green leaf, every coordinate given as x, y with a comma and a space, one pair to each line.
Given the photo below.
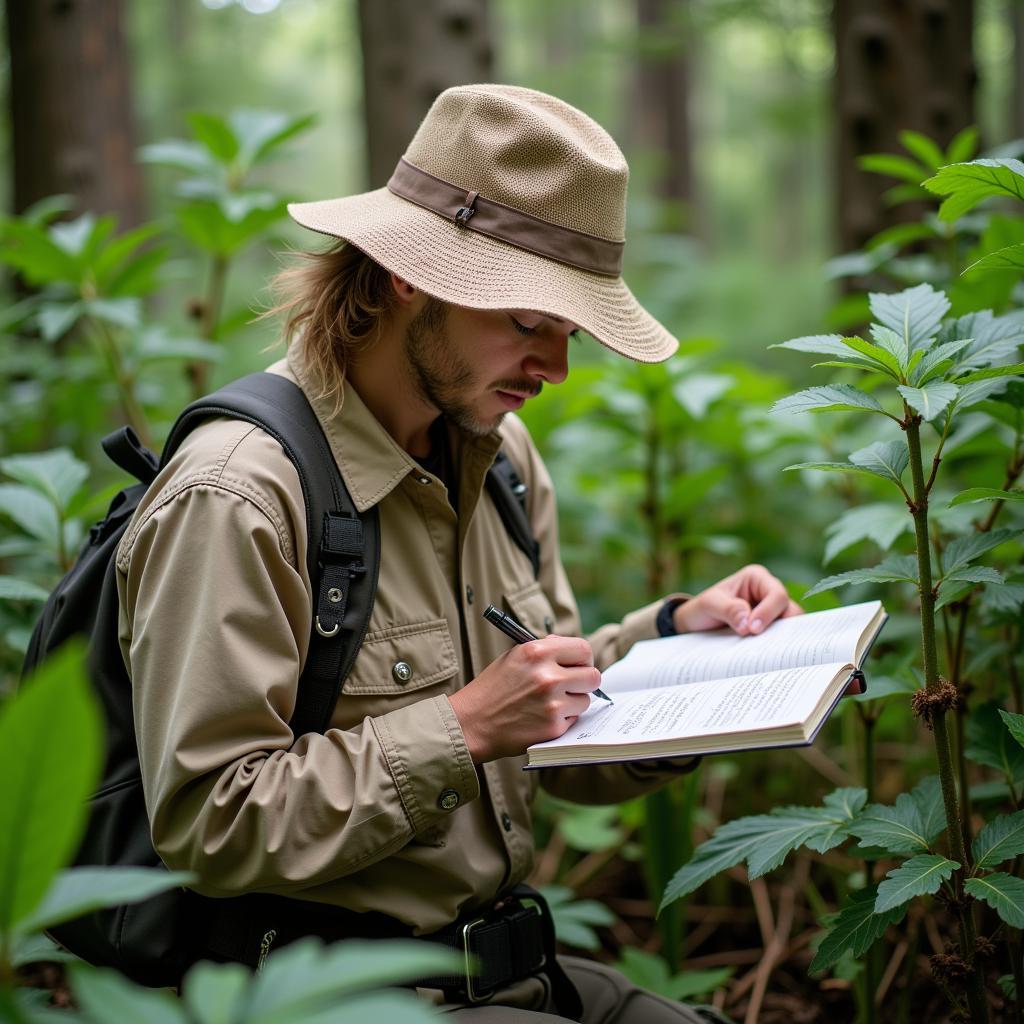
217, 993
1008, 598
931, 400
995, 339
901, 234
918, 876
977, 391
213, 132
1016, 370
914, 314
696, 392
963, 146
1003, 837
894, 343
55, 319
826, 398
56, 474
894, 569
1015, 723
882, 358
933, 363
967, 184
894, 166
186, 156
575, 920
78, 891
986, 494
973, 574
307, 974
924, 149
823, 344
764, 840
881, 522
1003, 893
887, 459
963, 550
856, 928
880, 687
12, 589
1010, 257
990, 743
650, 972
30, 511
31, 251
105, 996
261, 131
34, 949
909, 826
50, 757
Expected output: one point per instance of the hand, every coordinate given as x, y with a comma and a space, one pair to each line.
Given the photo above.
748, 601
531, 693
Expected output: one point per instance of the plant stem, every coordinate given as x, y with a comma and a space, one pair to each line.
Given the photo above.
199, 370
954, 822
871, 960
105, 341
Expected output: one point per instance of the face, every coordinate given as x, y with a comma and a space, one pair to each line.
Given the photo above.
474, 366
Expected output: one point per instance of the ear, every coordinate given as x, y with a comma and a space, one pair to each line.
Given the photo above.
405, 293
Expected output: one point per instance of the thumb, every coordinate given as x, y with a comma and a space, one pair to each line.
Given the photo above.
736, 613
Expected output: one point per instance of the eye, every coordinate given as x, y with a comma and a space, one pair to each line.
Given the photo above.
522, 328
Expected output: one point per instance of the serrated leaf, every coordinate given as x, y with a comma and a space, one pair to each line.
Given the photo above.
1014, 723
828, 397
1003, 893
986, 494
887, 459
1007, 598
932, 362
990, 743
919, 876
892, 342
909, 826
881, 522
823, 344
1016, 370
914, 314
831, 467
763, 841
877, 355
1010, 257
973, 574
56, 474
1002, 838
855, 928
931, 400
967, 184
995, 339
927, 797
963, 550
895, 569
977, 391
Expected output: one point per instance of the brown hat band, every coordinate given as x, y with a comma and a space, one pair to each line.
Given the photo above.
472, 211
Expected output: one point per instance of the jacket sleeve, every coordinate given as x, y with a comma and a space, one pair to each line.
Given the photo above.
592, 784
214, 622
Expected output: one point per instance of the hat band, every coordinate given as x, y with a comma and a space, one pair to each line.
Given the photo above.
472, 211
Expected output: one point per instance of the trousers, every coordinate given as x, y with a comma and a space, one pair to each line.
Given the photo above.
608, 998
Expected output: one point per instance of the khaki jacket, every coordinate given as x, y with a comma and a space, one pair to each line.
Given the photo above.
385, 811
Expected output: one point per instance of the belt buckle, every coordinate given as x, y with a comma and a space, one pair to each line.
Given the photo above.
471, 994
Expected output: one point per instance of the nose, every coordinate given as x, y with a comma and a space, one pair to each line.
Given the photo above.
548, 361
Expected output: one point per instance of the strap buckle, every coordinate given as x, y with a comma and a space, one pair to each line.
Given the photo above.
511, 914
472, 995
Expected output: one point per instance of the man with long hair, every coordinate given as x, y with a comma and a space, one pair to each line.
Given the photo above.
445, 302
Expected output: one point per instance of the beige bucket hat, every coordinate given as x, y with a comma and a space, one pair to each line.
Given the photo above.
506, 198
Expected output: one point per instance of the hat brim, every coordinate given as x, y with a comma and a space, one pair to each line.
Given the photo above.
470, 269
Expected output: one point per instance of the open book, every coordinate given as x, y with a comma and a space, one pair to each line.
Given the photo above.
706, 693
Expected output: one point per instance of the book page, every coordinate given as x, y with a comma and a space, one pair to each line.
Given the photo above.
744, 704
828, 636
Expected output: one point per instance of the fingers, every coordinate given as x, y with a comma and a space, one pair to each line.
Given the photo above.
567, 651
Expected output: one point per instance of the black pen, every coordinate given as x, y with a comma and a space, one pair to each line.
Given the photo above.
521, 635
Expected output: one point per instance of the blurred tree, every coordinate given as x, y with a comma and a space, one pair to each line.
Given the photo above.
899, 64
661, 119
1017, 82
413, 50
72, 124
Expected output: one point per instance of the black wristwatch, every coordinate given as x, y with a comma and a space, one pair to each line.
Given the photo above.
666, 627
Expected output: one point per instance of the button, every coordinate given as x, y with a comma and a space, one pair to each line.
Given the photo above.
506, 822
549, 623
423, 479
334, 595
402, 671
469, 595
448, 800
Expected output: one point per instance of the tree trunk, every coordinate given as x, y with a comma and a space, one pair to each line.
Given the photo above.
72, 125
899, 64
413, 50
1017, 82
661, 119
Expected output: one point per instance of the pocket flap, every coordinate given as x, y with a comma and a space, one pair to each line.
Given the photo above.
532, 608
401, 659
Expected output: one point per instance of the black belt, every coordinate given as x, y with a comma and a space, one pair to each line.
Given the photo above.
503, 943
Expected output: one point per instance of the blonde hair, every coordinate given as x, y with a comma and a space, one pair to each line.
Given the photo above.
334, 302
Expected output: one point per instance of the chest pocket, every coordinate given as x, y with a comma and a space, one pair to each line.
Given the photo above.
403, 660
530, 605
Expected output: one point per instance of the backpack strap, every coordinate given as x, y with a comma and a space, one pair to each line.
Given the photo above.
508, 493
343, 552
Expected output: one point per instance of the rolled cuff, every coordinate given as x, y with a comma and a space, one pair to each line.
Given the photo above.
428, 759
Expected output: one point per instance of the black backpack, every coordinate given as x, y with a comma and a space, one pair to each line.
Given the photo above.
154, 941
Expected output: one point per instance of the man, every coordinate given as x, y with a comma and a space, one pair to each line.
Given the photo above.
447, 304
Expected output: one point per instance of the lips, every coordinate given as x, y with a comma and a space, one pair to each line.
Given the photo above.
512, 399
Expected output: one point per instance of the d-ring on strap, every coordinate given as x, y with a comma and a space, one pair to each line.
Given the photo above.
475, 212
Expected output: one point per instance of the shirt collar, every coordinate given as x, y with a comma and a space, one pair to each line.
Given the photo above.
372, 464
